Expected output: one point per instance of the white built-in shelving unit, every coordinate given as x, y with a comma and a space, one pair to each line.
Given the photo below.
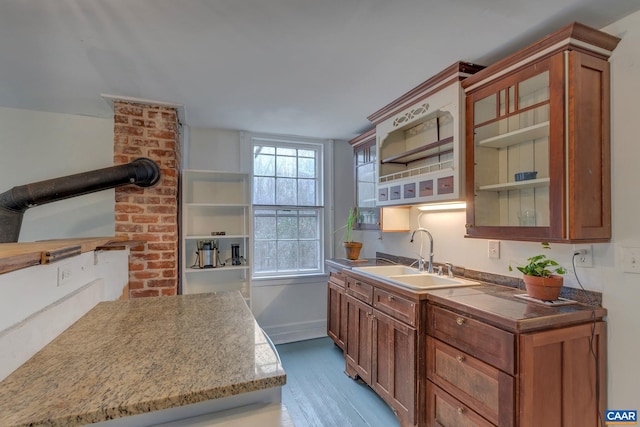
216, 202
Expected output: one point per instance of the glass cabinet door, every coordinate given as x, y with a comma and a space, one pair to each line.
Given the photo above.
365, 177
511, 149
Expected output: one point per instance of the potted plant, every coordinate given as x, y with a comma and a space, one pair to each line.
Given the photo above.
542, 276
352, 248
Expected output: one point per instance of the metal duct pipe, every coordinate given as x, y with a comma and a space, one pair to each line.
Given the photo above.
13, 203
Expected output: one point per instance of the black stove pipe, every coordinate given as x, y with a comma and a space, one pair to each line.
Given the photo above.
13, 203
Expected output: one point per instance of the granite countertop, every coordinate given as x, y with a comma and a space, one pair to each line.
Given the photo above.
130, 357
499, 306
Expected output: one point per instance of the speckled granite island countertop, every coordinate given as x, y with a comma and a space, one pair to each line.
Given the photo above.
130, 357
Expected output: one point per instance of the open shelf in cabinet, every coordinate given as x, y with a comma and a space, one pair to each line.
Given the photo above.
421, 153
515, 137
516, 185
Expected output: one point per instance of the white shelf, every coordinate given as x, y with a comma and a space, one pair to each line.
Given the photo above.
209, 237
216, 269
215, 205
530, 133
516, 185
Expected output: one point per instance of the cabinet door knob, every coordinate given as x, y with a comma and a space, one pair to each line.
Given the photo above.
460, 321
468, 225
460, 358
460, 410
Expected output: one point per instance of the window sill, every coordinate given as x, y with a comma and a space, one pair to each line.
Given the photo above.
290, 280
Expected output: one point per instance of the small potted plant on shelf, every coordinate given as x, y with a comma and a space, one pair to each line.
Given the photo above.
352, 248
542, 276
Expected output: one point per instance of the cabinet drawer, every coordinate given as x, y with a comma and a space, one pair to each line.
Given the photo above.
395, 306
337, 279
485, 389
360, 290
487, 343
443, 410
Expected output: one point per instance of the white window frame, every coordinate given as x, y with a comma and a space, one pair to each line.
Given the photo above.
325, 184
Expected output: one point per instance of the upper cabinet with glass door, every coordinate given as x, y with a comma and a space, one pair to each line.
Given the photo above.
364, 155
420, 141
538, 141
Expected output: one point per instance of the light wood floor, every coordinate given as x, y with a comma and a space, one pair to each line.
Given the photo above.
319, 394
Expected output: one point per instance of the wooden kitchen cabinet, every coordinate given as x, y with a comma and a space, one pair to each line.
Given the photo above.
393, 370
544, 113
558, 372
481, 375
359, 337
336, 309
381, 345
475, 356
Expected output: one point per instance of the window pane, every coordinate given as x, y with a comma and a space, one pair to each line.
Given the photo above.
286, 192
307, 192
287, 255
264, 165
264, 227
264, 149
265, 256
264, 191
286, 166
309, 255
287, 226
282, 151
308, 228
306, 168
306, 153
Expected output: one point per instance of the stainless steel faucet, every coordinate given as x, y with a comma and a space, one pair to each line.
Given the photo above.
421, 260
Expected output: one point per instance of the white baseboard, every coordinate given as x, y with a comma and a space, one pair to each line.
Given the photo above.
282, 334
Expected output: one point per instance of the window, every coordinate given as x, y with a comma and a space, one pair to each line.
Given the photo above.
287, 208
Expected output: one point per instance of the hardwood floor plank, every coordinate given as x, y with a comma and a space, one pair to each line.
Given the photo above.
319, 394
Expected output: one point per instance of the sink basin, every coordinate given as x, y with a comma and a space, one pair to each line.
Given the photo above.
387, 270
429, 281
412, 278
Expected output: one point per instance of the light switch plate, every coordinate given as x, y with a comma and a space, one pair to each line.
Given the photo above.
494, 249
631, 260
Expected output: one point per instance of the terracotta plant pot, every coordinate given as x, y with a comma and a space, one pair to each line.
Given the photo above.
352, 249
544, 288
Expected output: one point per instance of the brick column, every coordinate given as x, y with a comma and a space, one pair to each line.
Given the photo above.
149, 214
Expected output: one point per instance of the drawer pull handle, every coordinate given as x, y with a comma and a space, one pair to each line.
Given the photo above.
460, 321
390, 298
460, 358
460, 410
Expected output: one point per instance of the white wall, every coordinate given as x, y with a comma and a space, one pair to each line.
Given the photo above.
36, 146
288, 309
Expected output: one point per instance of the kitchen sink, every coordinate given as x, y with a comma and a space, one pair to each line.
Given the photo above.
387, 270
412, 278
429, 281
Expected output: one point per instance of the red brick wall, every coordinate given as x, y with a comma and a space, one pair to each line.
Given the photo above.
149, 214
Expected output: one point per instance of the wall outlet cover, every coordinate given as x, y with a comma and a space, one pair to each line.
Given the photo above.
494, 249
631, 260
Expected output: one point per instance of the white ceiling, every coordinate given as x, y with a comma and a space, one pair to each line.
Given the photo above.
298, 67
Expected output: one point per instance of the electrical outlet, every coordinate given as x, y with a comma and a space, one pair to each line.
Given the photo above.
585, 257
631, 260
494, 249
64, 274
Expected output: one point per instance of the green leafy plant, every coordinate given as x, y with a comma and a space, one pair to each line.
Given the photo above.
541, 266
351, 222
